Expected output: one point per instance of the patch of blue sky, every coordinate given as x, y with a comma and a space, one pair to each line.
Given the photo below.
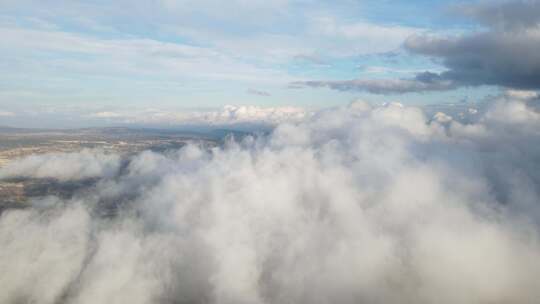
429, 14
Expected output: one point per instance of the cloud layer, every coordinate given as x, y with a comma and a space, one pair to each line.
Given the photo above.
64, 166
358, 204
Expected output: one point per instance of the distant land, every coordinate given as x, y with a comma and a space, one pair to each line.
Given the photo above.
17, 143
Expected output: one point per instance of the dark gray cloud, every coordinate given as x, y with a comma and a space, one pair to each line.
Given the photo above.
504, 15
505, 54
489, 58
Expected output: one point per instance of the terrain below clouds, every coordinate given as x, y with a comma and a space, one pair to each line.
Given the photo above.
357, 204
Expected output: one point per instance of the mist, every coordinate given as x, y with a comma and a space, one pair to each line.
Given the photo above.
357, 204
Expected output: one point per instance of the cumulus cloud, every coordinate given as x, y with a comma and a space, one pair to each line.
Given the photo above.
357, 204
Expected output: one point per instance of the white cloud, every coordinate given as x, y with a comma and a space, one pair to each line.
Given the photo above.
247, 47
126, 57
105, 114
353, 38
64, 167
229, 114
355, 204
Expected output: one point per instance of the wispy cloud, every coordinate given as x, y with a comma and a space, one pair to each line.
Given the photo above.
426, 81
86, 48
258, 92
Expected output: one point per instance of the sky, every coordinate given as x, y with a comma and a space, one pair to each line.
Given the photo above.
105, 56
364, 191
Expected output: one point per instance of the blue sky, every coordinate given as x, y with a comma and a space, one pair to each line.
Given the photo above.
199, 54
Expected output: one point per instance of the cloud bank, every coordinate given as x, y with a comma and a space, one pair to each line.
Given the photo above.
358, 204
227, 115
110, 115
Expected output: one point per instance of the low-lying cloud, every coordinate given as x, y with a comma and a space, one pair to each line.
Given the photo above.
63, 166
358, 204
